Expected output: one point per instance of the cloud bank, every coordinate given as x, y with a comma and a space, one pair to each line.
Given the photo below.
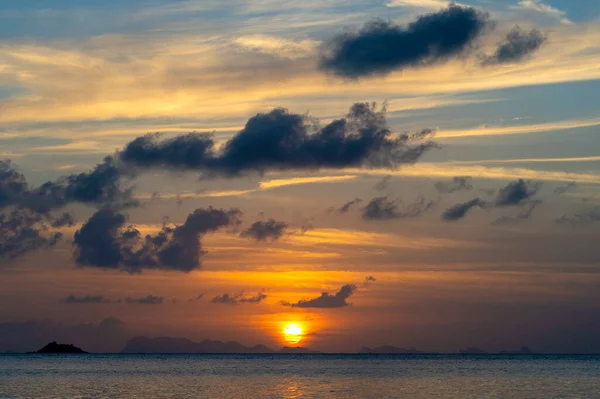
280, 140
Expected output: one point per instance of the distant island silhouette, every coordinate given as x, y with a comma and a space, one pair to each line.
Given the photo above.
55, 348
166, 345
391, 350
296, 350
183, 345
170, 345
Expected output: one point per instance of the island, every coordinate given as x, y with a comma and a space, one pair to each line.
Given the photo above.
54, 348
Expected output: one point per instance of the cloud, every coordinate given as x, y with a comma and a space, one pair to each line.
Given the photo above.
86, 299
197, 298
254, 299
265, 231
279, 140
237, 299
349, 205
563, 189
458, 183
521, 129
585, 217
381, 47
148, 300
368, 280
516, 46
276, 46
459, 211
516, 192
382, 208
338, 300
30, 213
23, 231
431, 4
525, 214
540, 7
100, 186
104, 241
383, 184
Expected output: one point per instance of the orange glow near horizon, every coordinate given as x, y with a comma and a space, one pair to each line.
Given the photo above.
293, 333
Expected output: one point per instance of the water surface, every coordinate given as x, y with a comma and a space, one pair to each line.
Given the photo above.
297, 376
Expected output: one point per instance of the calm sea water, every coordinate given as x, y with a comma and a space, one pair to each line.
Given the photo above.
300, 376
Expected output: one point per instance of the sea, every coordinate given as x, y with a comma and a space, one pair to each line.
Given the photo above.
298, 376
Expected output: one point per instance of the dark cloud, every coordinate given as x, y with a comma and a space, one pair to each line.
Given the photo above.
101, 242
148, 300
516, 193
524, 214
382, 208
12, 184
29, 213
368, 280
349, 205
279, 140
383, 184
338, 300
566, 188
254, 299
516, 46
189, 151
585, 217
459, 183
86, 299
101, 186
23, 231
306, 226
237, 299
381, 47
197, 298
459, 211
105, 241
265, 231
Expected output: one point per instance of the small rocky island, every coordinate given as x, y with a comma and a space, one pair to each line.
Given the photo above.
53, 347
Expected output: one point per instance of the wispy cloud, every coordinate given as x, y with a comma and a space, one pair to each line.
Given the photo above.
527, 160
276, 46
443, 169
518, 129
540, 6
262, 186
430, 4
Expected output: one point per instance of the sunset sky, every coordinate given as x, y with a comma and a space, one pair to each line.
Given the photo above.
462, 209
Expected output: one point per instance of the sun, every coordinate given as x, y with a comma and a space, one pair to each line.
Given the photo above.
293, 333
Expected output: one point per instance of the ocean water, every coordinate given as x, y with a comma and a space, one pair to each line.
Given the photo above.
298, 376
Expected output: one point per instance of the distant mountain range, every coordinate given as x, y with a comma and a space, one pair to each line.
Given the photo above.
184, 345
391, 350
168, 345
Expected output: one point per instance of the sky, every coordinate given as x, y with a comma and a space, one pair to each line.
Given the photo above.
411, 173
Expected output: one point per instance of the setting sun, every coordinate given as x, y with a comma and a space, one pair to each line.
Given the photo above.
293, 333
